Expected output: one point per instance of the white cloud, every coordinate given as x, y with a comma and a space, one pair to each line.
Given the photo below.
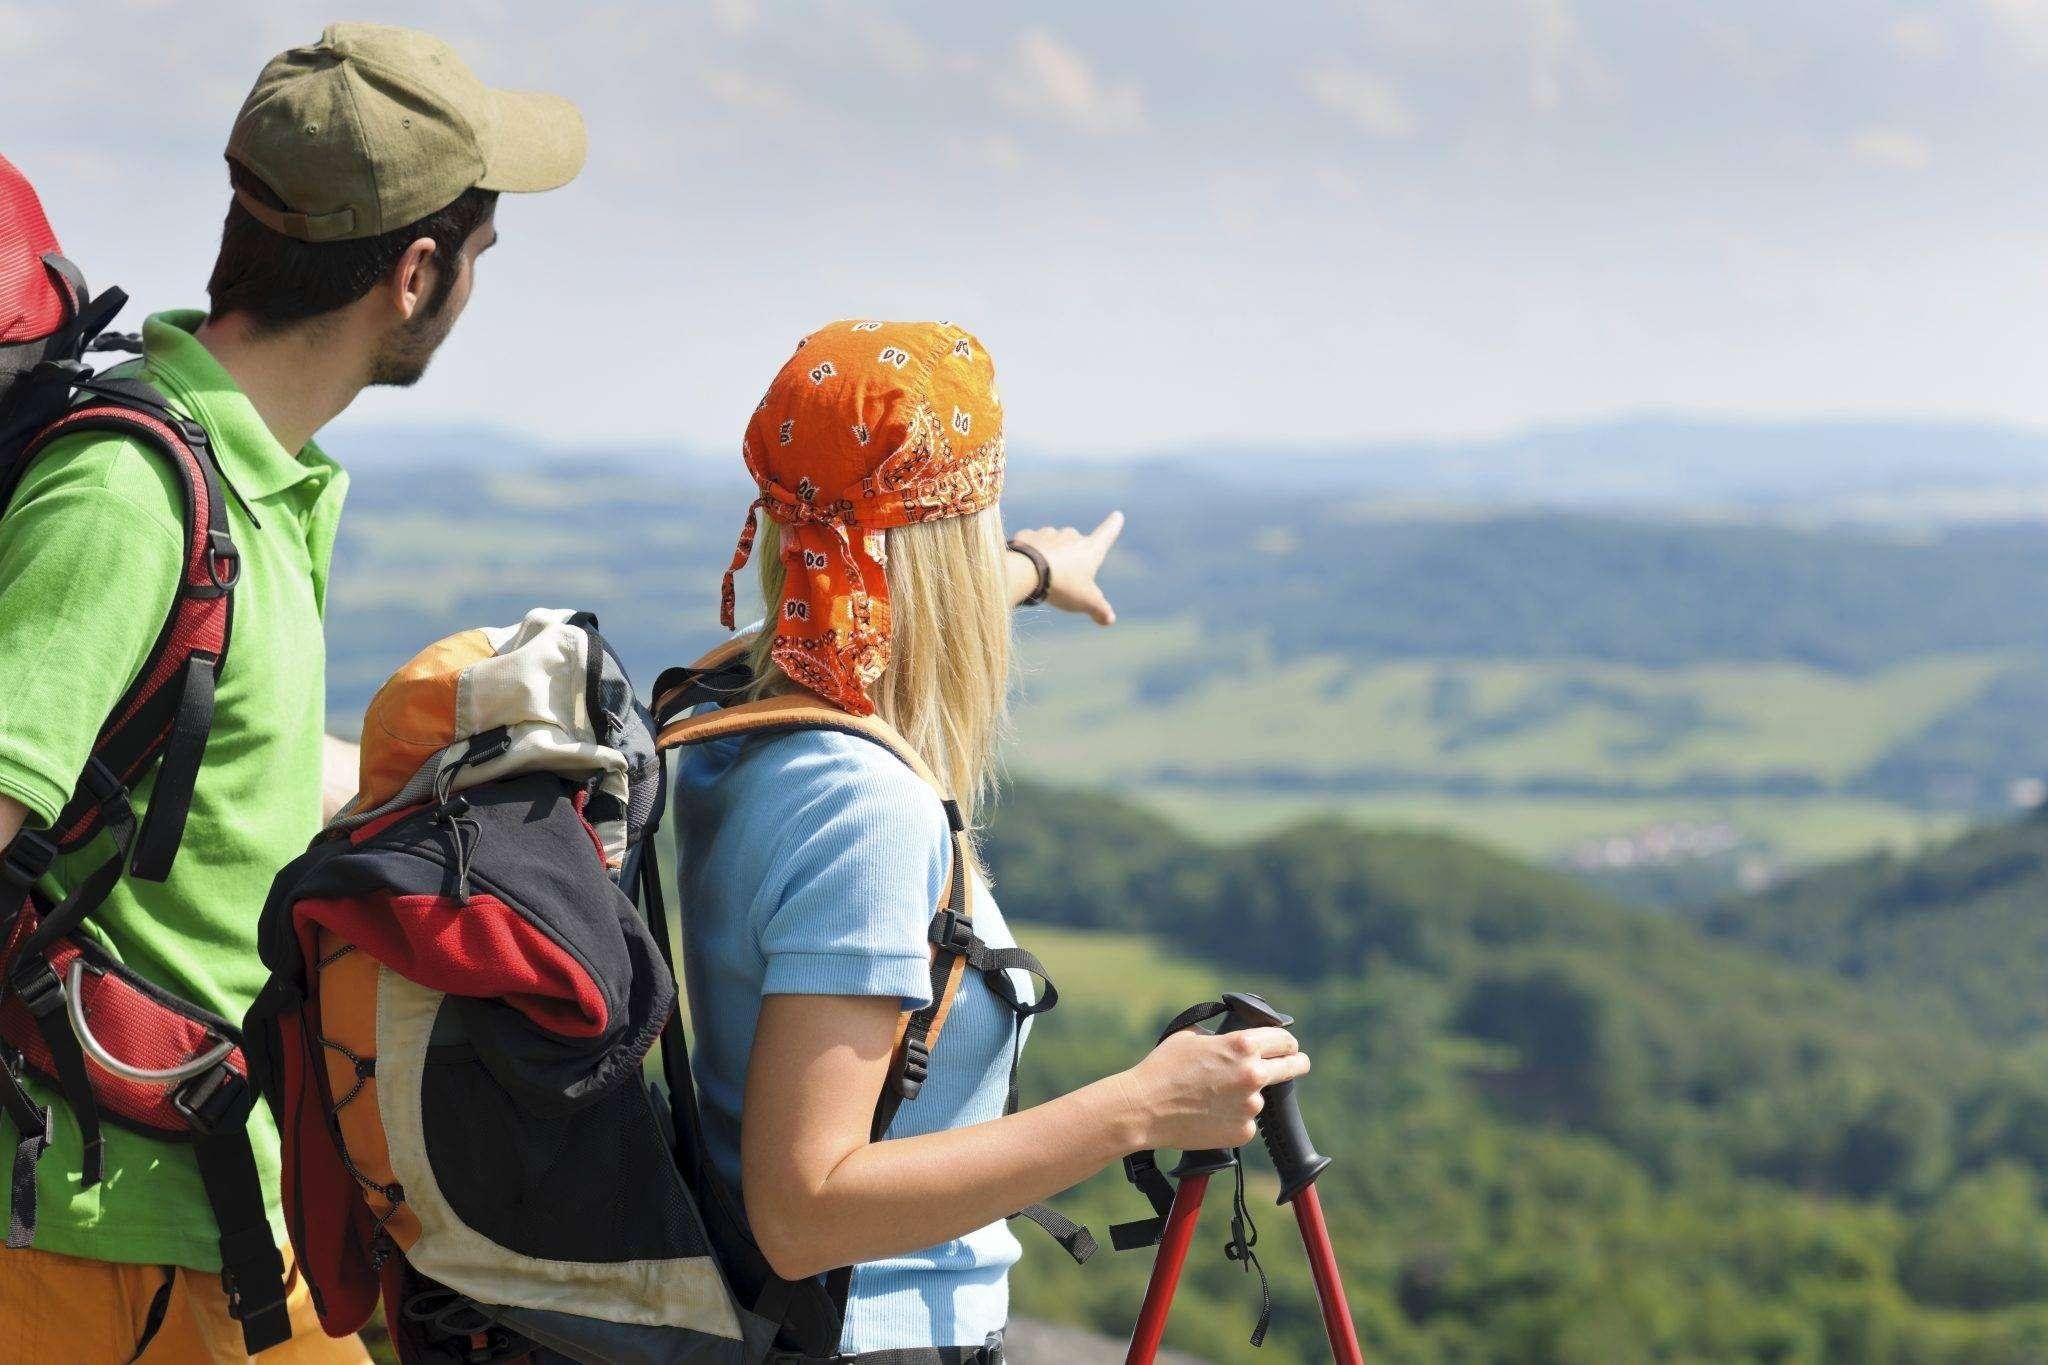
1919, 35
744, 90
1892, 148
2024, 20
1370, 101
735, 16
1054, 81
1339, 183
1559, 59
991, 151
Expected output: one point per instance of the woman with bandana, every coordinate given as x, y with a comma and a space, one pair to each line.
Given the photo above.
812, 861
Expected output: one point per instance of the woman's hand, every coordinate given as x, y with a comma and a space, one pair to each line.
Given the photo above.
1075, 558
1201, 1090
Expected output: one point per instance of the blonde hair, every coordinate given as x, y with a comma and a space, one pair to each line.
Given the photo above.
947, 687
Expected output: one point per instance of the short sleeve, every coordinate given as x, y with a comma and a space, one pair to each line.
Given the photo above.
90, 553
862, 863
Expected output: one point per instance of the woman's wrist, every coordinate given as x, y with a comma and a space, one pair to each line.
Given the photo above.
1119, 1112
1030, 581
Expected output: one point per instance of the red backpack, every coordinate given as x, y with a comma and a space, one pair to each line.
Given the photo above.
118, 1047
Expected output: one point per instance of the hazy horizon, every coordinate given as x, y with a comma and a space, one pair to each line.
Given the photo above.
1171, 224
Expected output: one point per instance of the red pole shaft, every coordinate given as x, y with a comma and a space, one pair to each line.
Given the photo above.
1322, 1263
1173, 1252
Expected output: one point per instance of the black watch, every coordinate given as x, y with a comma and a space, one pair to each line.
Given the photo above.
1040, 563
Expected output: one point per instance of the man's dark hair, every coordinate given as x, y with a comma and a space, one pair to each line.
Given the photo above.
280, 280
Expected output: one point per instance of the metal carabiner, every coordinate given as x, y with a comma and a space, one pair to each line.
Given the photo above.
75, 1002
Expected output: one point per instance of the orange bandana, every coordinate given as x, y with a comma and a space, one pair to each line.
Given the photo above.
869, 425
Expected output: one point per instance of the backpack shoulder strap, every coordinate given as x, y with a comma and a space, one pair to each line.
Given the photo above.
167, 709
951, 932
955, 947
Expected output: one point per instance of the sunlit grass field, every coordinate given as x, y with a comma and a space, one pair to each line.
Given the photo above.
1536, 756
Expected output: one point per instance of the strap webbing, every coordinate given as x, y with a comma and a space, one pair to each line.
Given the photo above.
675, 1046
252, 1271
177, 770
117, 818
32, 1131
1076, 1239
1142, 1168
35, 984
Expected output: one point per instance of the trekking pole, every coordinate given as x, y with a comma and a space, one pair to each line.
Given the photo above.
1192, 1177
1298, 1163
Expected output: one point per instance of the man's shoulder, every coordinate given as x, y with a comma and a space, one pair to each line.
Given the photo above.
110, 470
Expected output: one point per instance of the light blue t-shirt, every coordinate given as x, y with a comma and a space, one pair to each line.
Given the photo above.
811, 864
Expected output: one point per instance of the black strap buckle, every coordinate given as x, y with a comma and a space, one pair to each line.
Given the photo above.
214, 1101
37, 986
952, 932
102, 783
70, 373
250, 1255
27, 859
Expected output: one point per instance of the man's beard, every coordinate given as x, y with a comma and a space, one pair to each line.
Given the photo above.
407, 351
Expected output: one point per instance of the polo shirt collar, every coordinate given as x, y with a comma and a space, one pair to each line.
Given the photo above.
250, 457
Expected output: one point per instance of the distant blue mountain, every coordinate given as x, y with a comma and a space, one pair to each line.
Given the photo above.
1641, 461
1658, 460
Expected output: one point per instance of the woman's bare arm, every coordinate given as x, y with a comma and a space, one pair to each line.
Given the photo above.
1075, 559
820, 1195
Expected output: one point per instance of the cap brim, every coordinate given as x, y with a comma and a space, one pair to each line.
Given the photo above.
539, 143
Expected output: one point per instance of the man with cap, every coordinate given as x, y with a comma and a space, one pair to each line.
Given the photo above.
365, 170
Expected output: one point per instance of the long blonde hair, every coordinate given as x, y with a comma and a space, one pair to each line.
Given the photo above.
947, 687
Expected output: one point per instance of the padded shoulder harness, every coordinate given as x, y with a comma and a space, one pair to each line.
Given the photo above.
722, 674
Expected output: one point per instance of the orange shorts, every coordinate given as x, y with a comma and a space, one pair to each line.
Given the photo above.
65, 1309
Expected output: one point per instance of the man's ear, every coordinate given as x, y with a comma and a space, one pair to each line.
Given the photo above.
412, 279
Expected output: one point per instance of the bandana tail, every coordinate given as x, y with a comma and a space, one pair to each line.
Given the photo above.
740, 555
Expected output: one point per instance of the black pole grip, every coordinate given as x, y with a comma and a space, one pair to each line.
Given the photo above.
1293, 1152
1209, 1160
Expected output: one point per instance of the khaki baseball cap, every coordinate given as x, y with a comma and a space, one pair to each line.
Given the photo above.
374, 127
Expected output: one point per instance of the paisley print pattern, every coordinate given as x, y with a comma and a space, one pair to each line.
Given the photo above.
868, 425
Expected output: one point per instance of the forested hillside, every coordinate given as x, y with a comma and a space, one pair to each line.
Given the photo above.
1671, 706
1564, 1131
1965, 924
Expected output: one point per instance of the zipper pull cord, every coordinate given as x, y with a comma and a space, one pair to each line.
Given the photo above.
466, 833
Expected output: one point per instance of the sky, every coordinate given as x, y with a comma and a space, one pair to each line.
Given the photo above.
1172, 223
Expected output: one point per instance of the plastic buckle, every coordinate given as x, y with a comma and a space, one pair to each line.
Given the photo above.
27, 859
952, 931
71, 373
231, 1287
38, 987
213, 1100
917, 1067
100, 781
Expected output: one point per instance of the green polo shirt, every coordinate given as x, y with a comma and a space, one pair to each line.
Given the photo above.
89, 559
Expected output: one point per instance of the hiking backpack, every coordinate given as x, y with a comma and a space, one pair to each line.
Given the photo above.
463, 995
118, 1047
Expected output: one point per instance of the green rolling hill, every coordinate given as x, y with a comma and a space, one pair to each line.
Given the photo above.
1564, 1131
